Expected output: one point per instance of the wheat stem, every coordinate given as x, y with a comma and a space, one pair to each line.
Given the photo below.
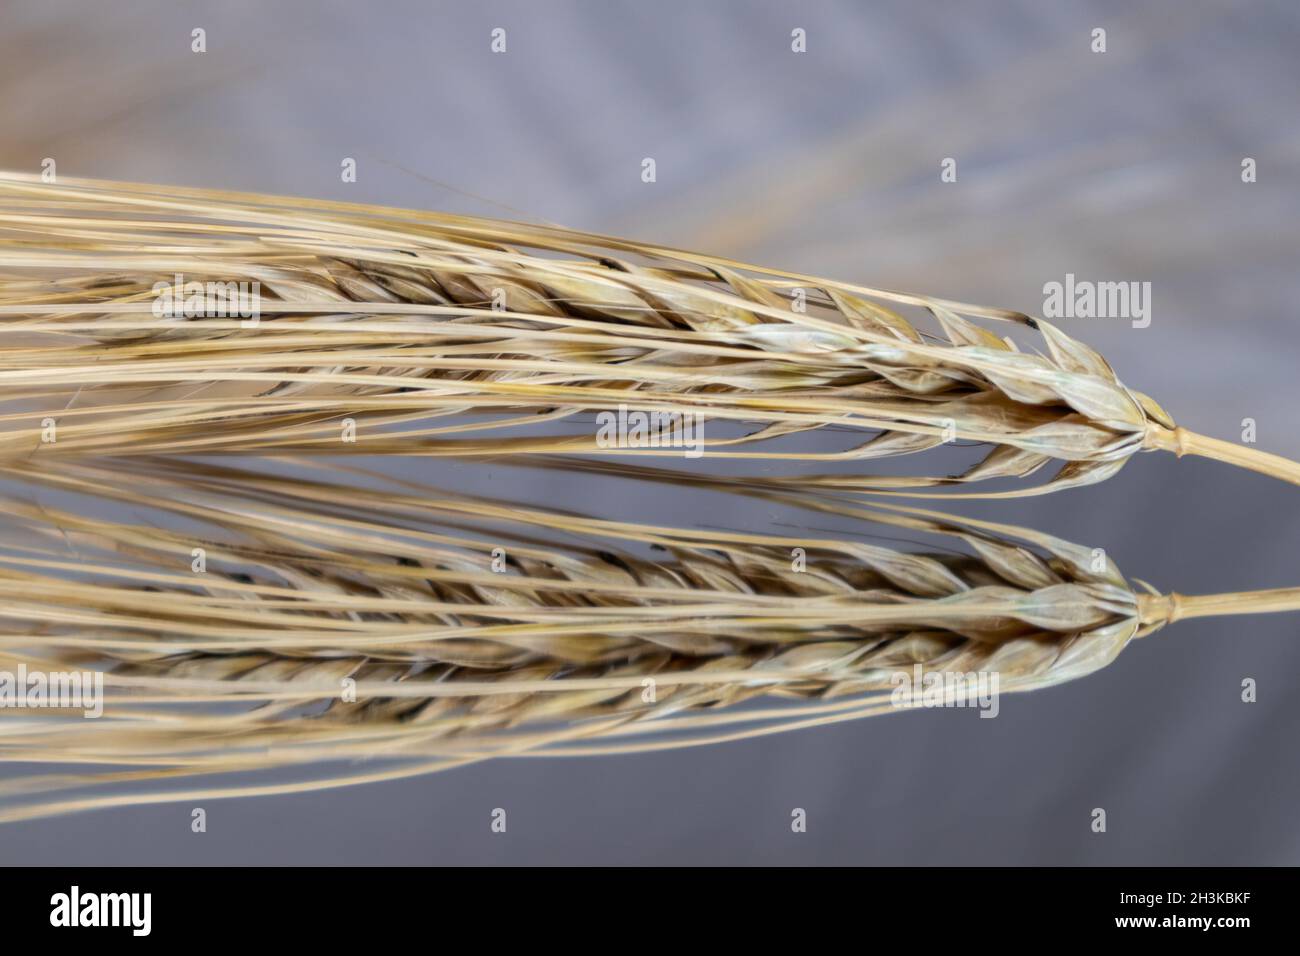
1184, 442
1168, 608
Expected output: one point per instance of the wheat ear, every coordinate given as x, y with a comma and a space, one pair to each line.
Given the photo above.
449, 335
599, 637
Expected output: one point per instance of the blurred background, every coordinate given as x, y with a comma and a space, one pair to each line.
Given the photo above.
1115, 166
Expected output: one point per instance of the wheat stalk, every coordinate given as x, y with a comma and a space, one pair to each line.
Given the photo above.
449, 335
311, 581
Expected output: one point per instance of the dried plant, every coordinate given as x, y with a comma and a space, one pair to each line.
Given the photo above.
448, 335
597, 637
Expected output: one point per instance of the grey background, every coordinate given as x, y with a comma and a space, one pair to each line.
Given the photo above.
1115, 166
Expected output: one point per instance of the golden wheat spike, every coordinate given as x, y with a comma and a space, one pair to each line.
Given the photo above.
449, 335
333, 621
